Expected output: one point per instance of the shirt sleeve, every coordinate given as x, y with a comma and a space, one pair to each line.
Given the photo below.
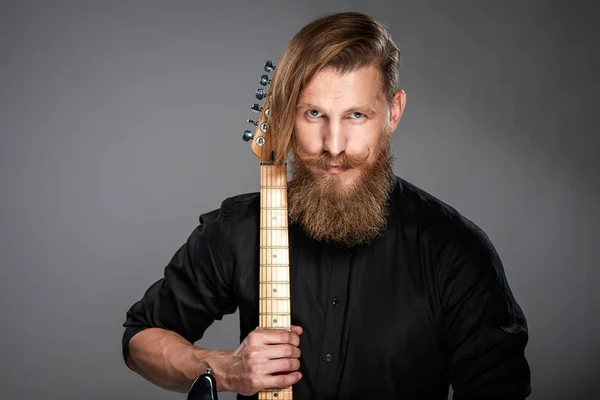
485, 329
195, 289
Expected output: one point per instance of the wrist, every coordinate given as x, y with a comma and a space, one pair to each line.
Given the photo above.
219, 362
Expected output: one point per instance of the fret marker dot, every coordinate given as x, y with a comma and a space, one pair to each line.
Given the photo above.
274, 255
275, 321
275, 395
274, 218
274, 290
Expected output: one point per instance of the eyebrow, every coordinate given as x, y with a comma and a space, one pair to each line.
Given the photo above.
363, 109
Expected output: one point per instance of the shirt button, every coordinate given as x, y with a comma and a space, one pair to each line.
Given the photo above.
328, 357
335, 301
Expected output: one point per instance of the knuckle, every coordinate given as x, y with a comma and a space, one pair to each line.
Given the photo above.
290, 351
290, 364
255, 383
252, 368
251, 355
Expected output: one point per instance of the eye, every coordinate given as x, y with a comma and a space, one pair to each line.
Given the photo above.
357, 115
313, 113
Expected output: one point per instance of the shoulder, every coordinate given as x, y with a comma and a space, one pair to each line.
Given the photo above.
444, 231
463, 256
233, 209
419, 207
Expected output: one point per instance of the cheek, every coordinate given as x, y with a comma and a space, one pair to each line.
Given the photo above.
364, 139
308, 137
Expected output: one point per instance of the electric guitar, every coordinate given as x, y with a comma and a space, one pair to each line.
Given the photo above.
274, 276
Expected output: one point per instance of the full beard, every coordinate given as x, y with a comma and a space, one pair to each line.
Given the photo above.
332, 212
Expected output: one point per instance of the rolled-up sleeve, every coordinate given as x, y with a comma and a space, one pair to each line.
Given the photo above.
485, 329
195, 289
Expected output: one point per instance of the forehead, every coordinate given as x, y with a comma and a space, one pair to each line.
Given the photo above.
330, 86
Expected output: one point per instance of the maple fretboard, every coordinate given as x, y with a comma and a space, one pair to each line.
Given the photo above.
274, 279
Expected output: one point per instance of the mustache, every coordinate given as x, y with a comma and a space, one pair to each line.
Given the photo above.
326, 160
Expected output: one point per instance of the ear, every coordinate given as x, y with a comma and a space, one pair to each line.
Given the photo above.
396, 110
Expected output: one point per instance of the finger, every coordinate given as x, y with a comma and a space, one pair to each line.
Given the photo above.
279, 336
281, 381
275, 351
281, 365
297, 329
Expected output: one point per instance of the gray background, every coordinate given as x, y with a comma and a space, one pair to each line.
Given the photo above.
120, 123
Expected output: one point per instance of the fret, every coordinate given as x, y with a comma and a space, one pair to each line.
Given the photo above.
270, 268
279, 189
272, 328
283, 313
275, 265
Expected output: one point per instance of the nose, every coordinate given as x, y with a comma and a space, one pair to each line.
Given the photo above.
334, 139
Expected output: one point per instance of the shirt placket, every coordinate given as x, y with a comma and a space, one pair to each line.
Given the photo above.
331, 357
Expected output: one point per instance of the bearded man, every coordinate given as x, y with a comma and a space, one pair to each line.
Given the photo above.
394, 294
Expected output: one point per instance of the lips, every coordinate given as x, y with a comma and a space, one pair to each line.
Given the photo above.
335, 169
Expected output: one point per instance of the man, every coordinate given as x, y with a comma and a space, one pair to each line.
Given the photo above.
394, 294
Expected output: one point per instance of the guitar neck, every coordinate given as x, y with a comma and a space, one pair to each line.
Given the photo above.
274, 298
274, 305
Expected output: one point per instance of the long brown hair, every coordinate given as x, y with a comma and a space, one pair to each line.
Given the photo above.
343, 41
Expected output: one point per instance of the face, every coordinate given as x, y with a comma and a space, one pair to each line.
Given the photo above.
342, 162
340, 120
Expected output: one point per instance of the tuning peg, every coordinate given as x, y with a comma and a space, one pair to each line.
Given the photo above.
261, 94
247, 135
251, 121
264, 80
269, 66
256, 107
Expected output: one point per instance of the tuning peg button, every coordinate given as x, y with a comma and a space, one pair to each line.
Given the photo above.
247, 135
256, 107
264, 80
251, 121
269, 66
261, 94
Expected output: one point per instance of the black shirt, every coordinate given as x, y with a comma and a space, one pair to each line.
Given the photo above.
427, 304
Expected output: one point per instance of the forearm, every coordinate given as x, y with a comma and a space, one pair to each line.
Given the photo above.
168, 360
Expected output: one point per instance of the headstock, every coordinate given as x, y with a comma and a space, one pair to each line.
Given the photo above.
262, 145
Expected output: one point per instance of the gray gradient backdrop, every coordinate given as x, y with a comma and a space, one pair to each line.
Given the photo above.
120, 123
